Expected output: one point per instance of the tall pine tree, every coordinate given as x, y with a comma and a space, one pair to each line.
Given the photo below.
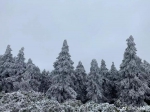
30, 78
80, 82
114, 79
106, 85
103, 69
61, 87
132, 88
7, 64
94, 84
114, 75
20, 65
45, 80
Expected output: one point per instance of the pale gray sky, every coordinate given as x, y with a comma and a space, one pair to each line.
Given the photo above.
94, 29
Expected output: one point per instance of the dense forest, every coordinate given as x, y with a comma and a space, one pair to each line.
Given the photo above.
128, 86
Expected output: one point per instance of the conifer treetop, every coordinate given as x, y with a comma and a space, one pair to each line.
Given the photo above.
65, 47
113, 72
44, 72
103, 69
129, 61
21, 55
113, 68
65, 43
7, 57
80, 67
113, 64
103, 65
8, 50
29, 63
80, 63
64, 62
131, 45
94, 66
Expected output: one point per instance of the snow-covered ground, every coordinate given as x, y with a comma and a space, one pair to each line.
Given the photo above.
37, 102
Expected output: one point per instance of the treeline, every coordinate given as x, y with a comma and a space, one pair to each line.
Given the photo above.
128, 86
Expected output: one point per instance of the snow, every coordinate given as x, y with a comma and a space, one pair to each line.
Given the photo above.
23, 101
68, 90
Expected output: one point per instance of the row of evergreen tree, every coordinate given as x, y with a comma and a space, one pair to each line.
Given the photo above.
128, 86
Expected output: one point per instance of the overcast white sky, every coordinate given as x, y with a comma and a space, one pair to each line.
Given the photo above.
94, 29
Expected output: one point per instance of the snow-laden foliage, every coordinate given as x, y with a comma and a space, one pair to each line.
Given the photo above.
22, 101
29, 80
80, 82
45, 80
107, 84
32, 75
132, 88
62, 85
6, 70
114, 79
20, 65
94, 84
146, 67
95, 107
27, 102
7, 64
103, 69
114, 75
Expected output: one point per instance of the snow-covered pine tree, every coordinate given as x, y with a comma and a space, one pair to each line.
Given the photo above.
44, 72
7, 64
140, 67
7, 70
114, 75
146, 72
94, 84
20, 65
103, 70
146, 67
107, 84
61, 87
30, 78
138, 61
80, 82
35, 75
45, 80
114, 79
132, 91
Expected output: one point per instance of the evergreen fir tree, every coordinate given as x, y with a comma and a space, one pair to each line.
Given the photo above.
114, 75
107, 85
132, 88
94, 84
61, 87
80, 86
146, 67
7, 64
103, 69
45, 81
20, 65
31, 77
146, 78
114, 79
